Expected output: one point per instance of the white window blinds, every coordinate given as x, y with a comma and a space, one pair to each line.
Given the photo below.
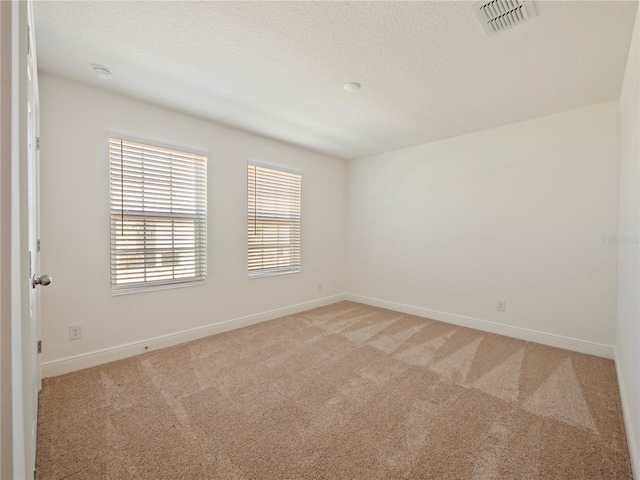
158, 216
273, 220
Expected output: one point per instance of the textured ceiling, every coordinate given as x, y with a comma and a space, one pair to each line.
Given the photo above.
427, 69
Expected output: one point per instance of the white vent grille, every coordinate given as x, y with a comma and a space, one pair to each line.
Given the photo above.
500, 15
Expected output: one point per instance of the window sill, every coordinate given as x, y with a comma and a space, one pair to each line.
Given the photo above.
253, 275
153, 288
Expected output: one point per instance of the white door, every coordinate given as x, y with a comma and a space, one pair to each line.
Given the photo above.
23, 172
32, 387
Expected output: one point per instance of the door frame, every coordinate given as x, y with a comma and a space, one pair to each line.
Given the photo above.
6, 397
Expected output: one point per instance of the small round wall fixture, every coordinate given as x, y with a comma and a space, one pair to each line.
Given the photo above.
352, 87
102, 72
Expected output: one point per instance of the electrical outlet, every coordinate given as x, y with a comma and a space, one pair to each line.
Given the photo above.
320, 286
502, 306
75, 332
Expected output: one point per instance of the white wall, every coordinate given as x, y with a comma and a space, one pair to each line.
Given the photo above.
628, 327
516, 213
75, 223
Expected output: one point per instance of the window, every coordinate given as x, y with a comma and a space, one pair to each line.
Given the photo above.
158, 217
273, 220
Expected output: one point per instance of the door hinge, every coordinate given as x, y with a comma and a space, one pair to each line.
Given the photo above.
28, 39
38, 244
37, 143
39, 346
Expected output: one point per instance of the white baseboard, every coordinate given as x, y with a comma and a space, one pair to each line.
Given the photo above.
552, 340
632, 442
98, 357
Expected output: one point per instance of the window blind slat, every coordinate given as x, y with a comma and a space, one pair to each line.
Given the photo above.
158, 216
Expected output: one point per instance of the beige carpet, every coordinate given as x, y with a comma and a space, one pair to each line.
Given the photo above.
341, 392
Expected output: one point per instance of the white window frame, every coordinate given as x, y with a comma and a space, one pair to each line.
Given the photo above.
192, 211
284, 270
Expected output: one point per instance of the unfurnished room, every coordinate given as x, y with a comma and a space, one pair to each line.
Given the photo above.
292, 240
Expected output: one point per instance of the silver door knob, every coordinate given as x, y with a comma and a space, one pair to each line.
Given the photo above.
43, 280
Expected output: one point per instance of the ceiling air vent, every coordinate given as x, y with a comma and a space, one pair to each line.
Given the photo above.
500, 15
